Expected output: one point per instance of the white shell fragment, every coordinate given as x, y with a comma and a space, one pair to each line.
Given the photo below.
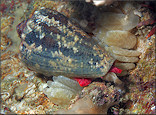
61, 90
101, 2
118, 38
123, 52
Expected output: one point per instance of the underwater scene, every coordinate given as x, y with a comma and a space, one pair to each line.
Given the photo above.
78, 57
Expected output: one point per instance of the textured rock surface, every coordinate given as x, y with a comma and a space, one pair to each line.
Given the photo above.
95, 99
22, 89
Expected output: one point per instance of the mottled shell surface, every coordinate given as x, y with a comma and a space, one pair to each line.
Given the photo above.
53, 45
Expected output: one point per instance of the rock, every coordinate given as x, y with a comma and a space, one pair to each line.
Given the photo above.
95, 99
